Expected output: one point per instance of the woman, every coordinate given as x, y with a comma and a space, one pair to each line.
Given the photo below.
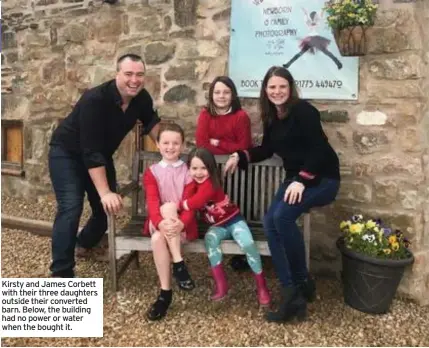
292, 130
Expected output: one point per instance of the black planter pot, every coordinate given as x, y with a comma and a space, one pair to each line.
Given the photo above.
369, 283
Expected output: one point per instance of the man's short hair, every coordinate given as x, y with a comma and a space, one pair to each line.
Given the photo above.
132, 56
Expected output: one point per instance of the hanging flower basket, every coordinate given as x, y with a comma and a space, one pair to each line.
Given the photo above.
352, 41
349, 20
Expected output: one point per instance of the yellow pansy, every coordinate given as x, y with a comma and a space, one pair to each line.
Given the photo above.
392, 239
344, 224
387, 251
395, 246
371, 224
356, 228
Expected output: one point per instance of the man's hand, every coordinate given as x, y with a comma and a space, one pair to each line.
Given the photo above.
293, 193
112, 202
214, 142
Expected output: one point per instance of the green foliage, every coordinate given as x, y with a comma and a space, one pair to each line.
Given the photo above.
349, 13
371, 238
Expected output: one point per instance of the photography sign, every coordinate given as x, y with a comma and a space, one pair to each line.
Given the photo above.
293, 34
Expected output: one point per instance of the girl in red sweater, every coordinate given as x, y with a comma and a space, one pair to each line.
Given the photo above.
164, 184
223, 127
225, 220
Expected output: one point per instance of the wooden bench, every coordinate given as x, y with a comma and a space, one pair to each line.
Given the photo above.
252, 190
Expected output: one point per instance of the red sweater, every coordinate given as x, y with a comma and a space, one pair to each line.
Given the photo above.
153, 203
213, 203
232, 130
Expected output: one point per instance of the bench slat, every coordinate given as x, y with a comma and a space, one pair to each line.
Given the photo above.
124, 244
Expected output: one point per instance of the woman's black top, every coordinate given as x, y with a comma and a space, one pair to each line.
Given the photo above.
301, 143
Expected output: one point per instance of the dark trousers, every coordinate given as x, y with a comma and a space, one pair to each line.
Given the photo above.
70, 180
284, 238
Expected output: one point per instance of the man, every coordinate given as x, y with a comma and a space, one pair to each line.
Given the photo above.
80, 158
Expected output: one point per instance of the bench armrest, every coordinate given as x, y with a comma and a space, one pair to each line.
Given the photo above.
128, 188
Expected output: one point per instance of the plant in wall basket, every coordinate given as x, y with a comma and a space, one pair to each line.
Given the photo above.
349, 20
374, 258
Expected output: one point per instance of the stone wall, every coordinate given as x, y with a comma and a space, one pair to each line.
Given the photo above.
54, 49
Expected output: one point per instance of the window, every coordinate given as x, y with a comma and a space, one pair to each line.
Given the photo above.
12, 147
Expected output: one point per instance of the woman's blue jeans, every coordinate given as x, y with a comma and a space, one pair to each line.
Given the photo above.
70, 180
284, 238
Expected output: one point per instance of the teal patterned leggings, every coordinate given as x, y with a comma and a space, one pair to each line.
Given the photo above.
240, 232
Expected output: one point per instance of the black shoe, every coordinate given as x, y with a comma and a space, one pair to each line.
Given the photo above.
182, 276
68, 273
158, 310
308, 289
293, 305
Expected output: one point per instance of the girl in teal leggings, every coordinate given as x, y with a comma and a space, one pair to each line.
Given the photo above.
225, 220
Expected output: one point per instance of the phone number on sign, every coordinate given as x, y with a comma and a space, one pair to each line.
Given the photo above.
319, 83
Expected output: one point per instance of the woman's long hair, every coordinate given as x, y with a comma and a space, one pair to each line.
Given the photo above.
235, 102
209, 162
268, 109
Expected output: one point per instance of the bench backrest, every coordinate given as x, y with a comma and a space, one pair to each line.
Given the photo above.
252, 190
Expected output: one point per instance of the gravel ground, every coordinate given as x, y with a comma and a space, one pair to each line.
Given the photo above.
195, 321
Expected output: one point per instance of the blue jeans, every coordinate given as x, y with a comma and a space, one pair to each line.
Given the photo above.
70, 180
284, 238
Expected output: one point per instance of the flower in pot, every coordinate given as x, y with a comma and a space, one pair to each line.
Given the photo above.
349, 20
374, 258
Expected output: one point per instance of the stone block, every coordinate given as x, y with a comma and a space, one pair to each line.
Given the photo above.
187, 49
149, 22
205, 29
106, 27
184, 71
381, 90
410, 139
371, 118
80, 77
174, 111
46, 2
405, 166
410, 199
223, 15
208, 48
33, 40
53, 72
355, 191
152, 83
370, 142
403, 67
158, 52
8, 40
76, 33
180, 93
339, 116
385, 191
213, 4
217, 67
103, 74
391, 40
185, 12
184, 33
415, 287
